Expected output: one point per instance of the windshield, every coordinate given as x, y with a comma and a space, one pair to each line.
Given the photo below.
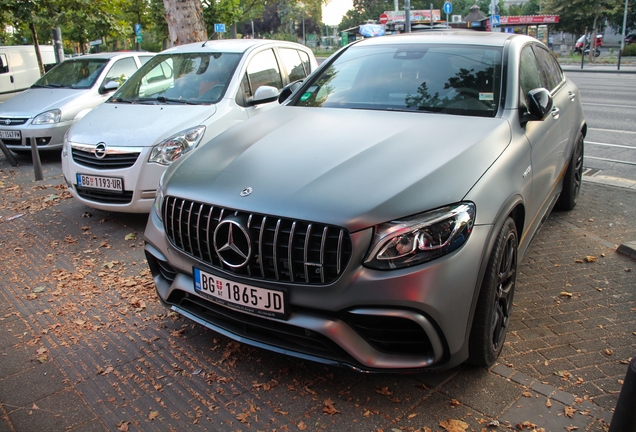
452, 79
75, 73
199, 78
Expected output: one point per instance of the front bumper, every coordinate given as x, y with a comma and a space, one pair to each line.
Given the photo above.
139, 182
46, 137
401, 320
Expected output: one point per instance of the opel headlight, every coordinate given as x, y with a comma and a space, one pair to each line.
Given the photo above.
421, 238
176, 146
48, 117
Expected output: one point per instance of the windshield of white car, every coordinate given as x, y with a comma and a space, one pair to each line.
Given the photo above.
188, 78
74, 73
451, 79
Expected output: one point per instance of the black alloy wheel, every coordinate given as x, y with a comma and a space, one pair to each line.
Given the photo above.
494, 306
573, 178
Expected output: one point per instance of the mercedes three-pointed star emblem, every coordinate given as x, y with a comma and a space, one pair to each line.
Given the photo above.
232, 243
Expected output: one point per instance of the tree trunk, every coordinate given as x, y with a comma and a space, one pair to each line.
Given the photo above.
36, 45
233, 34
185, 21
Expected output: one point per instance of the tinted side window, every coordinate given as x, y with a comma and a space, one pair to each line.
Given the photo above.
4, 65
293, 64
529, 72
263, 70
551, 72
121, 70
144, 59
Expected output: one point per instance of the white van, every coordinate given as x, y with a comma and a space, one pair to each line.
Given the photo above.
19, 67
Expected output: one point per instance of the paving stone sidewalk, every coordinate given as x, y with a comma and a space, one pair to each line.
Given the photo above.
86, 346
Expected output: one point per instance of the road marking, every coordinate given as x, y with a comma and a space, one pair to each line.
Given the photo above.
613, 131
610, 145
611, 160
608, 105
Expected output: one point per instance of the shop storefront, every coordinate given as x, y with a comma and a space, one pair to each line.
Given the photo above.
537, 26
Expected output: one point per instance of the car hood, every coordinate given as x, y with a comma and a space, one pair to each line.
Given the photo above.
34, 101
126, 125
352, 168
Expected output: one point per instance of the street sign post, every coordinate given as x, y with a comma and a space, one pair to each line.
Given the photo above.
448, 8
219, 28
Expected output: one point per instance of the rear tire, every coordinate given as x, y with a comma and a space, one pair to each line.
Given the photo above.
573, 178
492, 316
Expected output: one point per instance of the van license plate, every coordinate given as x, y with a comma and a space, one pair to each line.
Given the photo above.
97, 182
250, 299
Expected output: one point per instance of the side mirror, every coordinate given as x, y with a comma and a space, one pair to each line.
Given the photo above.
264, 94
288, 90
109, 87
539, 104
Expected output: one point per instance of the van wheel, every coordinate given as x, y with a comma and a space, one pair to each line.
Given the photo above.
573, 178
492, 316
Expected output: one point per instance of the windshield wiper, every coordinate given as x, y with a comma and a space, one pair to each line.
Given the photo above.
48, 86
164, 99
123, 100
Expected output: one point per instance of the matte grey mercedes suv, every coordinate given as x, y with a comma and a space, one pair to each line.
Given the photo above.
377, 217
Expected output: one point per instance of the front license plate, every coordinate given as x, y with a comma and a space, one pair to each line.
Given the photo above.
254, 300
10, 134
96, 182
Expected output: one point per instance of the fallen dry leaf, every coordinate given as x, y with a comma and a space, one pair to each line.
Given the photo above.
153, 415
243, 417
569, 411
608, 351
384, 391
571, 428
301, 426
453, 425
565, 294
548, 403
590, 259
329, 408
455, 402
526, 394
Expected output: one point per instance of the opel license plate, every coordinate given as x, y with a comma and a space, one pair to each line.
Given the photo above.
251, 299
97, 182
10, 134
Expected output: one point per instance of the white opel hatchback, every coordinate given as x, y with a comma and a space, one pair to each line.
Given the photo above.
44, 112
114, 157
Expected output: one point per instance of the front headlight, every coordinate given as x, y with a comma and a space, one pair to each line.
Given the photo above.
158, 206
48, 117
420, 238
176, 146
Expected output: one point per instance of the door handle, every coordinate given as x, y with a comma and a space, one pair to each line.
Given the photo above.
572, 96
555, 112
11, 79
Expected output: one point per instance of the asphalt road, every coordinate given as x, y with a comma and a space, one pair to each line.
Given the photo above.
609, 102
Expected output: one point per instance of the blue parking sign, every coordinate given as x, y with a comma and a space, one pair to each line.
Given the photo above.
219, 28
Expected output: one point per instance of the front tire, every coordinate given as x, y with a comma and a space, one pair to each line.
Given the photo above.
494, 306
573, 178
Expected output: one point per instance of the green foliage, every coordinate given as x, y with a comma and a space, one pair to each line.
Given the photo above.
629, 50
577, 15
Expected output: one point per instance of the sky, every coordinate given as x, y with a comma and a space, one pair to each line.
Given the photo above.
333, 12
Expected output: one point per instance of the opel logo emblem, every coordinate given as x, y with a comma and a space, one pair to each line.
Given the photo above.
232, 243
246, 191
7, 121
100, 151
